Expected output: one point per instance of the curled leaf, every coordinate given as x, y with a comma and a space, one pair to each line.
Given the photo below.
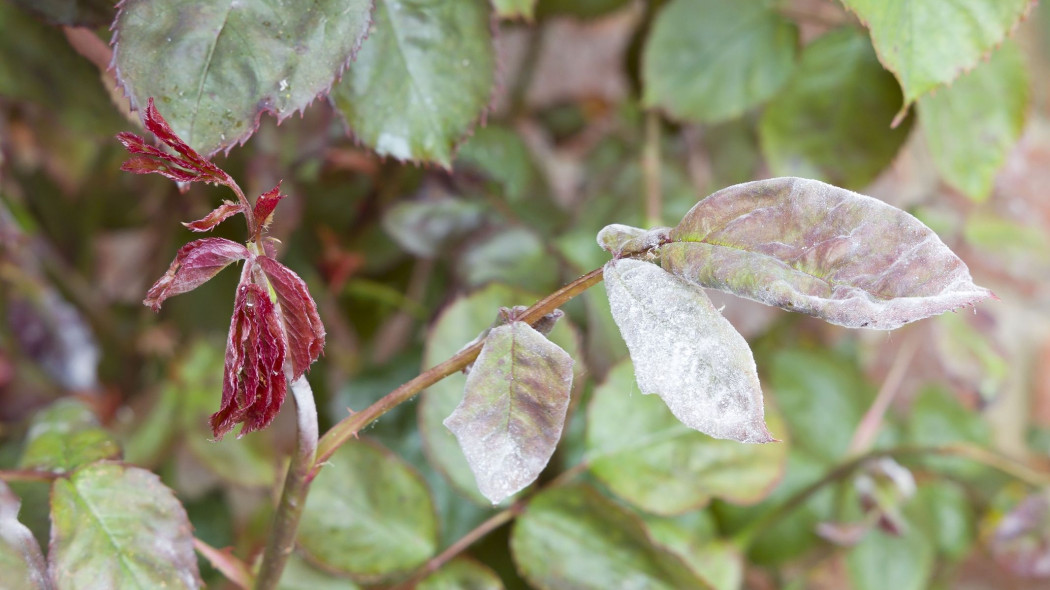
186, 166
624, 240
684, 351
253, 381
194, 264
807, 246
302, 324
218, 215
513, 409
265, 205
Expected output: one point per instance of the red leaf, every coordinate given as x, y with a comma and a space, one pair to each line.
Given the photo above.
188, 166
302, 324
265, 205
217, 216
194, 264
253, 382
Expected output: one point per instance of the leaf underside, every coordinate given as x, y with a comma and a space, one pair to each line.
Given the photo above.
810, 247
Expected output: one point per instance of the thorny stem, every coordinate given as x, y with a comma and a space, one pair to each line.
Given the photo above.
348, 427
296, 482
1011, 467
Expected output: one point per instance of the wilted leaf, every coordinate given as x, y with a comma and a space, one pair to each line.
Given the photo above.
624, 240
21, 560
650, 459
218, 215
193, 265
64, 436
573, 537
1022, 540
513, 408
712, 60
973, 124
462, 574
202, 61
882, 561
368, 515
514, 8
927, 44
302, 324
684, 351
118, 527
253, 379
422, 80
832, 119
806, 246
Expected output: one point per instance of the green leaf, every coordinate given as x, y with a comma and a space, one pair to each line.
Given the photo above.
882, 561
573, 537
215, 67
513, 409
832, 120
937, 418
580, 8
300, 575
426, 228
368, 515
64, 436
712, 60
422, 80
514, 8
21, 560
810, 247
76, 13
972, 125
942, 511
515, 256
927, 44
692, 537
456, 326
637, 448
684, 351
462, 574
118, 527
501, 154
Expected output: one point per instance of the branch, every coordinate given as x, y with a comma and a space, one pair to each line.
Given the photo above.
348, 427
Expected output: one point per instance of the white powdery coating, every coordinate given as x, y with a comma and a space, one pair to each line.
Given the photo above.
513, 409
684, 351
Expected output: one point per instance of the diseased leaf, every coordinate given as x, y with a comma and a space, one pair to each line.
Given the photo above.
118, 527
253, 380
973, 124
1021, 541
810, 247
573, 537
513, 409
712, 60
650, 459
64, 436
368, 515
832, 119
514, 8
302, 324
265, 205
21, 560
684, 351
624, 240
218, 215
965, 32
462, 574
422, 80
215, 84
194, 264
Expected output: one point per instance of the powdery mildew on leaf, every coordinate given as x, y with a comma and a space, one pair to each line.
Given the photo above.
20, 554
513, 409
807, 246
624, 240
684, 351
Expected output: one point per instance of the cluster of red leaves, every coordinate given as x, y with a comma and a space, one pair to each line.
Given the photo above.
270, 340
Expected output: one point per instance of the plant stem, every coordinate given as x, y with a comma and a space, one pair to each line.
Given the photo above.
28, 475
234, 569
296, 482
868, 429
249, 218
348, 427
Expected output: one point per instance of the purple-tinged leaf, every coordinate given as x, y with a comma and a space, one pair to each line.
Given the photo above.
1021, 542
218, 215
21, 560
194, 264
684, 351
806, 246
624, 240
513, 409
302, 325
253, 380
117, 526
187, 166
265, 205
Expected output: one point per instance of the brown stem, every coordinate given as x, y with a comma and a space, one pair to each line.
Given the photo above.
296, 482
234, 569
348, 427
27, 475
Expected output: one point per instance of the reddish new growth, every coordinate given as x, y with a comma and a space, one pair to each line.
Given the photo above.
275, 332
